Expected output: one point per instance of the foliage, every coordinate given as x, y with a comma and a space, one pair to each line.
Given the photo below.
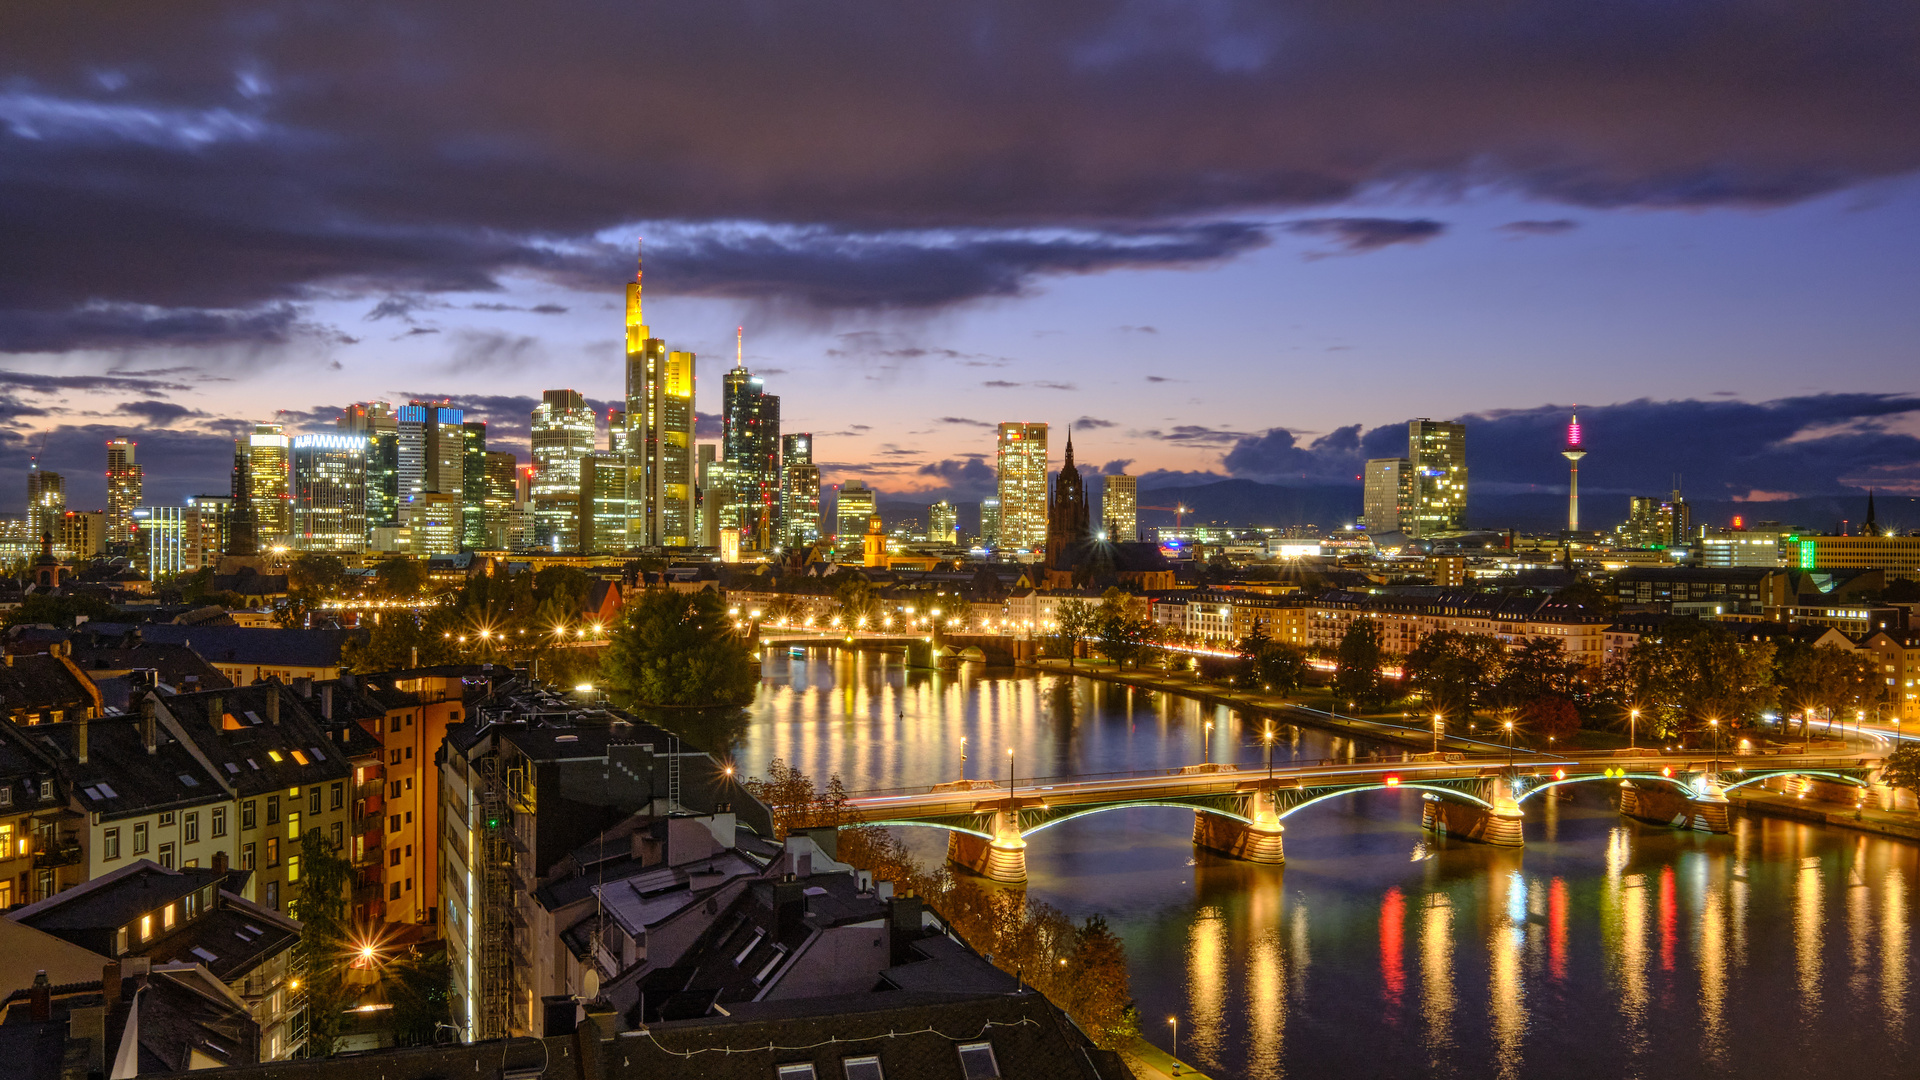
403, 639
60, 610
854, 593
1268, 665
1550, 716
1588, 595
1454, 670
1121, 630
326, 938
419, 986
1072, 621
315, 576
1824, 679
1902, 768
1082, 968
1356, 675
1695, 671
679, 649
400, 577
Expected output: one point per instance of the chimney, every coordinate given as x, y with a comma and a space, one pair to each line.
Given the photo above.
217, 712
220, 862
789, 906
415, 662
903, 928
149, 736
304, 685
273, 703
80, 738
326, 701
110, 983
40, 995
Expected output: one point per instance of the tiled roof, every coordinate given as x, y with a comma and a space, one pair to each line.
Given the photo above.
255, 753
255, 645
120, 778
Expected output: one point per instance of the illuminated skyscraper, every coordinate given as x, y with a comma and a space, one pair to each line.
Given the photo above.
1022, 458
1120, 508
990, 521
1573, 453
330, 493
124, 487
750, 444
562, 438
603, 497
160, 540
432, 447
851, 512
206, 525
1438, 453
46, 502
714, 493
1388, 499
267, 453
377, 421
659, 420
943, 523
799, 491
503, 509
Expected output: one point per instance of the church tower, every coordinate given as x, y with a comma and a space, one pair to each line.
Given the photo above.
1068, 523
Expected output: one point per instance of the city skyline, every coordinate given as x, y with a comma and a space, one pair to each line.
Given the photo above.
1245, 299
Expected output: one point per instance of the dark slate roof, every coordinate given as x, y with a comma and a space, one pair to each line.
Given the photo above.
257, 645
177, 665
230, 941
37, 683
255, 754
114, 899
120, 778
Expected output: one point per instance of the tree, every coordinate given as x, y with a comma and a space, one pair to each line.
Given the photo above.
679, 649
854, 593
1453, 670
1356, 675
1270, 666
313, 576
400, 577
1902, 768
1551, 716
1823, 678
1695, 671
326, 938
1121, 629
1073, 620
60, 610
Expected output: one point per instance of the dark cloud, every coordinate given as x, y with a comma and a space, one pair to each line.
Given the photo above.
493, 349
1354, 235
1116, 467
536, 309
196, 462
898, 157
1162, 379
1540, 228
159, 412
137, 382
1092, 423
1000, 384
1139, 330
1196, 434
963, 478
965, 421
711, 425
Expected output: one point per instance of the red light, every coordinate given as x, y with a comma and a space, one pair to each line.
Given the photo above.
1393, 781
1559, 774
1667, 771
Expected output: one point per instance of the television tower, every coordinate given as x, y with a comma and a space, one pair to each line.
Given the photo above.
1573, 453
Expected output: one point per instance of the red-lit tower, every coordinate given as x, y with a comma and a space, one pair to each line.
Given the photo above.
1573, 453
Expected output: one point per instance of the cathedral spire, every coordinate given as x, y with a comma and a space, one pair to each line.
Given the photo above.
1872, 525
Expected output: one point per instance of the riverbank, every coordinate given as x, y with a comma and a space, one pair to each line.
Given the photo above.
1149, 1062
1897, 824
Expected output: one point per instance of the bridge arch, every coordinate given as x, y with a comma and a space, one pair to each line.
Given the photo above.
1675, 781
919, 825
1841, 777
1091, 810
1446, 792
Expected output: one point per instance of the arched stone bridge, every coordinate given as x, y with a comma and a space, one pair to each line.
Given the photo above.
1240, 811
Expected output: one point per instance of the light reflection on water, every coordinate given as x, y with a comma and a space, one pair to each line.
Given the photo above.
1605, 948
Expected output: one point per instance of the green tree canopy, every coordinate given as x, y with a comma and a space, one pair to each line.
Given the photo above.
1454, 670
1692, 672
679, 649
60, 610
1357, 663
1073, 620
1902, 768
400, 577
1824, 679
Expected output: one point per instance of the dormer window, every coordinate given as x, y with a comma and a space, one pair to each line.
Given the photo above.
46, 789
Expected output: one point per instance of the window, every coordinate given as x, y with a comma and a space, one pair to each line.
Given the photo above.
169, 915
246, 814
46, 789
111, 842
273, 809
863, 1068
273, 851
313, 799
407, 784
119, 938
190, 829
393, 857
338, 796
140, 839
219, 821
166, 819
976, 1061
273, 893
191, 904
337, 836
395, 756
246, 856
293, 824
797, 1072
293, 868
409, 756
166, 855
395, 892
393, 789
393, 823
146, 928
409, 817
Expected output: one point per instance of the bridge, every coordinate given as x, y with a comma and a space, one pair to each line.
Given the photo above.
1240, 811
924, 650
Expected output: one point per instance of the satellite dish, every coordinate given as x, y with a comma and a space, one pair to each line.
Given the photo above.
591, 984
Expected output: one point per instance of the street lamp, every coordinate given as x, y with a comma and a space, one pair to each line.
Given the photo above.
1713, 722
1633, 723
1509, 744
1009, 776
963, 757
1437, 720
1174, 1022
1269, 738
1206, 743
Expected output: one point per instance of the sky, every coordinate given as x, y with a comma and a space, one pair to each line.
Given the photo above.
1219, 239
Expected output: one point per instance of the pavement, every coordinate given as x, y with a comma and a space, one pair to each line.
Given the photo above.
1149, 1062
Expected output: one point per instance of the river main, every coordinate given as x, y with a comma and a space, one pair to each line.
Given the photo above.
1604, 948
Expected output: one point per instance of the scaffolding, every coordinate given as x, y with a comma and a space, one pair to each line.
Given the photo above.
494, 946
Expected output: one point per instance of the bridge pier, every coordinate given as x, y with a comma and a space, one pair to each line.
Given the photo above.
1258, 841
1002, 859
1498, 825
1661, 805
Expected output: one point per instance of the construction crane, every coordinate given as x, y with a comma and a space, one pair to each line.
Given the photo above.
1178, 512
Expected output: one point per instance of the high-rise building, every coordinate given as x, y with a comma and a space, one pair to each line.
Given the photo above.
851, 512
713, 477
603, 500
160, 540
46, 502
943, 523
562, 439
1388, 501
990, 521
1120, 508
125, 485
268, 461
432, 448
330, 493
473, 485
433, 523
1022, 459
659, 420
750, 445
1653, 522
502, 501
799, 491
1438, 453
205, 530
1573, 453
82, 534
381, 425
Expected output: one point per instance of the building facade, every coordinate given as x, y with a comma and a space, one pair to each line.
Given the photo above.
125, 484
563, 428
750, 445
851, 511
46, 502
268, 454
799, 491
659, 415
943, 523
1021, 455
1120, 508
160, 540
1388, 498
330, 493
1437, 451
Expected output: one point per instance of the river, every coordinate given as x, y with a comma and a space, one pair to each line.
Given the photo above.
1604, 948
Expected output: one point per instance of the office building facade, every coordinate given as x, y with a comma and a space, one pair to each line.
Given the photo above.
943, 523
659, 421
851, 511
125, 486
1022, 460
990, 521
46, 502
206, 524
268, 454
1120, 508
1388, 499
799, 491
1437, 451
160, 540
330, 493
750, 445
563, 428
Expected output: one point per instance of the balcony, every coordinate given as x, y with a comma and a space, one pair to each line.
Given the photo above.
61, 854
369, 806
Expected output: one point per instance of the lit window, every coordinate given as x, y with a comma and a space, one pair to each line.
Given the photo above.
146, 927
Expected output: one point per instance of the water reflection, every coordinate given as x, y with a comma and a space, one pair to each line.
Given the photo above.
1604, 949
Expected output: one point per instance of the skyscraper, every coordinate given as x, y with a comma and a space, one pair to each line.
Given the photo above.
1022, 458
799, 491
267, 454
330, 493
502, 503
377, 421
473, 485
943, 523
124, 487
1438, 453
990, 521
750, 445
46, 502
1120, 508
160, 540
562, 439
206, 525
432, 457
1388, 500
1573, 453
851, 511
713, 477
659, 420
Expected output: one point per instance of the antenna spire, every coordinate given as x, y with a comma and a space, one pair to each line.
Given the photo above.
739, 346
